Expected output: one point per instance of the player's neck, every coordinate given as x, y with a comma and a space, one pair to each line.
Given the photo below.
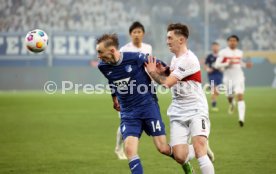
181, 51
233, 48
137, 44
118, 56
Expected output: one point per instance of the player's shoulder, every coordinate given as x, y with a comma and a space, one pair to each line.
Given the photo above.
224, 51
132, 56
188, 58
102, 65
126, 47
129, 54
145, 45
147, 48
239, 51
209, 56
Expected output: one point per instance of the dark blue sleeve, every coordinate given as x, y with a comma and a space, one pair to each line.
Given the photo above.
143, 58
112, 88
111, 85
207, 60
100, 67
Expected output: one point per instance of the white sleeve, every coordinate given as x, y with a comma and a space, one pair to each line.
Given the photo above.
122, 49
185, 69
150, 50
219, 62
243, 64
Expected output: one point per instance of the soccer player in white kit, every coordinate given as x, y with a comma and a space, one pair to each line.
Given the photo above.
136, 32
188, 111
230, 61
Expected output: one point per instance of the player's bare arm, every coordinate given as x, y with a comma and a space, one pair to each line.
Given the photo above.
162, 70
166, 81
116, 104
208, 69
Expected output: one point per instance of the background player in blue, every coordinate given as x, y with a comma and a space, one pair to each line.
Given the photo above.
214, 75
138, 103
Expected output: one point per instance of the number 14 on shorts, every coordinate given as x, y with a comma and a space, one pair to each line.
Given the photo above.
156, 126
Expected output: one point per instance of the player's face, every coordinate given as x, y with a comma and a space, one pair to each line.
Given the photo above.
173, 42
137, 35
105, 53
233, 43
215, 48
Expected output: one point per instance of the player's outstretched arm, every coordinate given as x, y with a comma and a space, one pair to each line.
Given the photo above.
116, 104
222, 64
221, 61
166, 81
162, 70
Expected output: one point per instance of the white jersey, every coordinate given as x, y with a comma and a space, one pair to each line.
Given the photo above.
234, 70
188, 98
233, 76
130, 47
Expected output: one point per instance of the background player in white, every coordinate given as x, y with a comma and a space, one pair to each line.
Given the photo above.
230, 60
189, 109
137, 33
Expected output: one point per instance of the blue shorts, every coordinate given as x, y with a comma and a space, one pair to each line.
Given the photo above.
216, 78
146, 118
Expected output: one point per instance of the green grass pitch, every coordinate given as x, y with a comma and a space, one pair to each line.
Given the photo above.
75, 134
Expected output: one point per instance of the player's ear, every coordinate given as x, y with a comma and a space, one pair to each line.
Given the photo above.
181, 39
112, 50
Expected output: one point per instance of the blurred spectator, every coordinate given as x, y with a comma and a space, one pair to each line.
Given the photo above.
254, 21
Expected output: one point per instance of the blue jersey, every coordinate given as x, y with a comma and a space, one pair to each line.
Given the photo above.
126, 78
210, 61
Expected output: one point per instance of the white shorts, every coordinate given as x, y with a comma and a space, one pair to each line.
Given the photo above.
182, 130
234, 86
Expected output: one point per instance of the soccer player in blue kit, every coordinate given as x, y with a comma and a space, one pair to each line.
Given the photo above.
214, 74
130, 83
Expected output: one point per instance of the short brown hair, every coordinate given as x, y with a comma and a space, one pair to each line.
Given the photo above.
109, 40
135, 25
179, 29
233, 36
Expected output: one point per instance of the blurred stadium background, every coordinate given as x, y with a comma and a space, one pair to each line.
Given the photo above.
42, 133
74, 25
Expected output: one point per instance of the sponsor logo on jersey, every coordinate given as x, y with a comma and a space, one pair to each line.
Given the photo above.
181, 69
122, 84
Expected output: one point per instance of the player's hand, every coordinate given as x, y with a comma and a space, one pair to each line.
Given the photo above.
209, 70
116, 107
160, 69
249, 64
230, 61
116, 104
151, 64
